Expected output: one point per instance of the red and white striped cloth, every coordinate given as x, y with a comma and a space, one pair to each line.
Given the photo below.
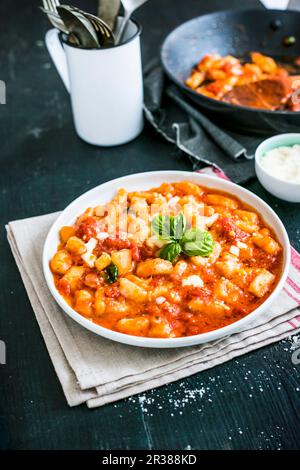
291, 288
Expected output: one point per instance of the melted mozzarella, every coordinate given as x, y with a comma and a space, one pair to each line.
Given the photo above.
234, 250
160, 300
193, 280
102, 235
241, 244
88, 257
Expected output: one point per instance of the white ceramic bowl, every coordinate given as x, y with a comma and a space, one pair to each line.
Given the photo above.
282, 189
141, 181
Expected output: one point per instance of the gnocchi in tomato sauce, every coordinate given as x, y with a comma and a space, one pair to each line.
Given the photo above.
118, 267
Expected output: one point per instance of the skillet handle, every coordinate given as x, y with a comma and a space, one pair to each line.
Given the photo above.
230, 146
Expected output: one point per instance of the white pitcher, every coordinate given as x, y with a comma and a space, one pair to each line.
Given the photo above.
105, 85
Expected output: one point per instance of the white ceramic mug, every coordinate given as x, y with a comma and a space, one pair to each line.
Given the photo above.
105, 85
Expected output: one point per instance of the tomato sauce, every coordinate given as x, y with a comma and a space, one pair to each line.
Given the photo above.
155, 297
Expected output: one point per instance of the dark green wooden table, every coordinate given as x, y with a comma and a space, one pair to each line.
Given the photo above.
252, 402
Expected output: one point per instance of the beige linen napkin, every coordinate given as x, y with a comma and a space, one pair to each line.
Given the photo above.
94, 370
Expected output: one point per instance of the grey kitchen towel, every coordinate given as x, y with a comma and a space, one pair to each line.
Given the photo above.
96, 371
181, 129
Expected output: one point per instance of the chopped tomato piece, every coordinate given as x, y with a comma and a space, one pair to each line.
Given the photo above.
229, 229
110, 244
89, 228
200, 292
145, 252
112, 291
135, 252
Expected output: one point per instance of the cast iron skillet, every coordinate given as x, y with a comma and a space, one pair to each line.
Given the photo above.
235, 32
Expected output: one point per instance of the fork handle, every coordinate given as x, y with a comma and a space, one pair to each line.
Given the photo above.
119, 35
58, 55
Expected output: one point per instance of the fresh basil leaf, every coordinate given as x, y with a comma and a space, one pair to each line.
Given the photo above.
193, 242
170, 251
111, 274
192, 234
169, 227
177, 227
161, 226
197, 243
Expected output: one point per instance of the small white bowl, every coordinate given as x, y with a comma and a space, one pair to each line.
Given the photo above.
141, 181
282, 189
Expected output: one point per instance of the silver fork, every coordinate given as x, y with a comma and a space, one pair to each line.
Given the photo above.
54, 18
98, 24
53, 4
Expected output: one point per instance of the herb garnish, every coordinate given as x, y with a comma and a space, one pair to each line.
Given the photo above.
111, 274
192, 242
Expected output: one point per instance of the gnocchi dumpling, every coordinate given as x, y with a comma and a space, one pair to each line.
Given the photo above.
61, 262
103, 261
132, 291
229, 265
154, 267
228, 291
213, 307
123, 260
76, 246
160, 327
262, 283
84, 302
73, 277
137, 326
266, 243
224, 201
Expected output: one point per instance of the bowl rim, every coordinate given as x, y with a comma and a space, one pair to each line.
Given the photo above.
142, 341
258, 155
185, 88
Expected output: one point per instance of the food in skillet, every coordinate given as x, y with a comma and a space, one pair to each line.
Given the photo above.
262, 83
173, 261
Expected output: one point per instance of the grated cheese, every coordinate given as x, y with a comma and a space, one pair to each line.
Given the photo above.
234, 250
88, 257
160, 300
241, 244
173, 201
102, 235
212, 219
193, 280
283, 163
181, 266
